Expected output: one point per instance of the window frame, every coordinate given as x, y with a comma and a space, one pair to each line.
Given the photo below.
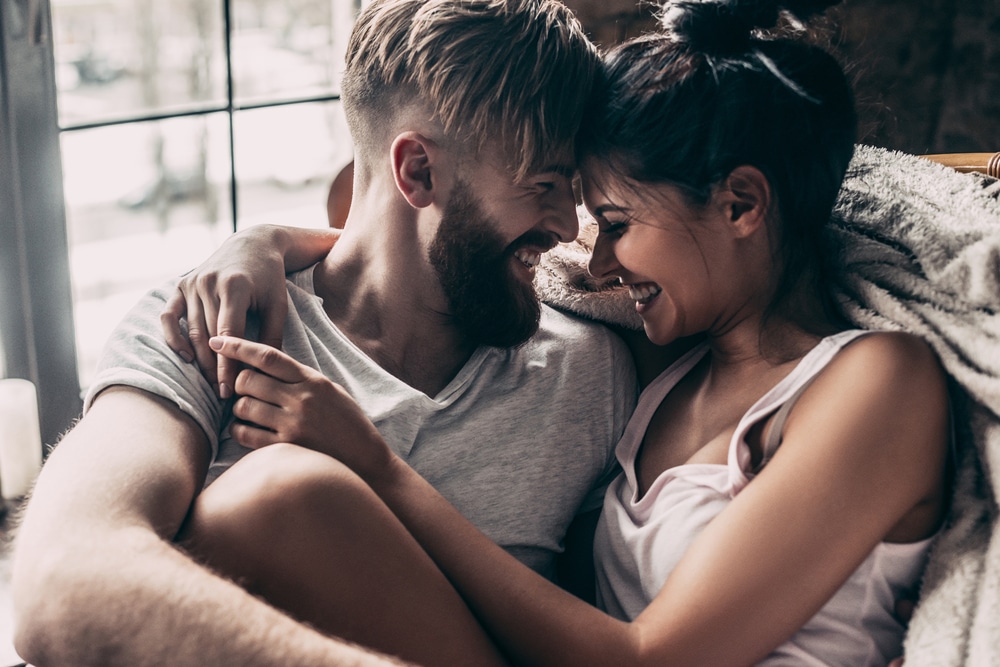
36, 304
37, 333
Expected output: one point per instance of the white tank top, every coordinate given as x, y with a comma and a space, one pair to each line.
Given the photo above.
638, 543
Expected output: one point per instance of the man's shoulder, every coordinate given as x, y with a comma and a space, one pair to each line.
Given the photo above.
137, 341
577, 341
137, 356
577, 334
559, 323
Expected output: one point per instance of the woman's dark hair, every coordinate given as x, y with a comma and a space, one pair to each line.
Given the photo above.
709, 94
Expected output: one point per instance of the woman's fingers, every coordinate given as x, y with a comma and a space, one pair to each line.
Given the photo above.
264, 358
251, 382
258, 412
252, 436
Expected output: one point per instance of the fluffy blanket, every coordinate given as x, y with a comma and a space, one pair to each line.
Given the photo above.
921, 253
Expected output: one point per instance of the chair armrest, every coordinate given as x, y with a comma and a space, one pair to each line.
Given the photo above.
984, 163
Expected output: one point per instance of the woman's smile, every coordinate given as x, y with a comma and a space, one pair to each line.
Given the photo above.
644, 293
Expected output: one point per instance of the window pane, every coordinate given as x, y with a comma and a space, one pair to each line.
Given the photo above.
286, 158
288, 48
144, 202
118, 58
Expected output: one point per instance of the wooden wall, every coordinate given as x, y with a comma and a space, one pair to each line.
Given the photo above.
926, 72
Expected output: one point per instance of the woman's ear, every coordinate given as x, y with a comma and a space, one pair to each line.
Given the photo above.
413, 167
745, 196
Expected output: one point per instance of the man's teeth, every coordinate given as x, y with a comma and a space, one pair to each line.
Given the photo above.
528, 258
643, 293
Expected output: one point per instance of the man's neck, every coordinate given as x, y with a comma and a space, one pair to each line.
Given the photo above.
381, 293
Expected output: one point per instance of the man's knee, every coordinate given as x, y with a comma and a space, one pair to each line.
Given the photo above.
261, 502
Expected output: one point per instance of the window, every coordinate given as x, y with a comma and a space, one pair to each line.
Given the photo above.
166, 126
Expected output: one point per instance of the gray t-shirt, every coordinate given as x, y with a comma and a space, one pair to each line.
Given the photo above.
519, 441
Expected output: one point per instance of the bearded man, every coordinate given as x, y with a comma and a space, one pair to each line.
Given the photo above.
463, 114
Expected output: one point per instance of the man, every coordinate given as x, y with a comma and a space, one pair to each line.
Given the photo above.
463, 114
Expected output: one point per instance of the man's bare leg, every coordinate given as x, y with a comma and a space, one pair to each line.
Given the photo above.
305, 533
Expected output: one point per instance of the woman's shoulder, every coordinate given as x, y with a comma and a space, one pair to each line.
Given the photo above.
879, 414
880, 383
880, 357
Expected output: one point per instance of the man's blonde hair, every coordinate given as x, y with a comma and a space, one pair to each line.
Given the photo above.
511, 72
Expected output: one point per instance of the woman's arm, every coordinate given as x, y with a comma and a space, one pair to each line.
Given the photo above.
864, 448
245, 274
866, 445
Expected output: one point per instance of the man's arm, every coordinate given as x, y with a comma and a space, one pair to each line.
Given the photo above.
96, 580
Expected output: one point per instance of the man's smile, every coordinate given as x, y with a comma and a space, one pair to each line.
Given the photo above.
528, 256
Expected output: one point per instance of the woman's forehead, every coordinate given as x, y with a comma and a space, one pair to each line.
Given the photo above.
600, 182
604, 188
606, 180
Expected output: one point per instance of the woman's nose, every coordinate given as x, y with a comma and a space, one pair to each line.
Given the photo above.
602, 259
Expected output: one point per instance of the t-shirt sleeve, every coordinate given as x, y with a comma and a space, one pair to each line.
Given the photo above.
136, 355
622, 392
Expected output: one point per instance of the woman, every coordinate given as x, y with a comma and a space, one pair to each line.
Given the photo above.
782, 480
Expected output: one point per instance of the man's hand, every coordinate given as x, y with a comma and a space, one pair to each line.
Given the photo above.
241, 276
246, 274
281, 400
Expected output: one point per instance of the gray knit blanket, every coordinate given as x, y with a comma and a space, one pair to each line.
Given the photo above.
921, 253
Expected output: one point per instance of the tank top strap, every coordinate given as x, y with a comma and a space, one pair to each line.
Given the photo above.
774, 434
778, 421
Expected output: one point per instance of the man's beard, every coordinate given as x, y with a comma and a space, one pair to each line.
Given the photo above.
487, 302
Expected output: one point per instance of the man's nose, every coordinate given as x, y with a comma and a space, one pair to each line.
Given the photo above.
563, 222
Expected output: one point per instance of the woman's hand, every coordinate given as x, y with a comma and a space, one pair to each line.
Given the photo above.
246, 274
281, 400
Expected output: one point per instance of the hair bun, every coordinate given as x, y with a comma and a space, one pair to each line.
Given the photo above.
726, 26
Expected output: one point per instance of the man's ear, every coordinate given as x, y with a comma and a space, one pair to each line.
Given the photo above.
745, 196
413, 168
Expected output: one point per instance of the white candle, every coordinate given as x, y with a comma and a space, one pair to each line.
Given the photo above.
20, 440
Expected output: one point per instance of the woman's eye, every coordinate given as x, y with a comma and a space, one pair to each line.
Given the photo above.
614, 228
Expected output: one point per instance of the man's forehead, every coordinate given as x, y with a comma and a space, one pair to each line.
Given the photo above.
560, 162
567, 169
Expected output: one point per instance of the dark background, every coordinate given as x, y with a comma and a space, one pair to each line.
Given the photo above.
926, 73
